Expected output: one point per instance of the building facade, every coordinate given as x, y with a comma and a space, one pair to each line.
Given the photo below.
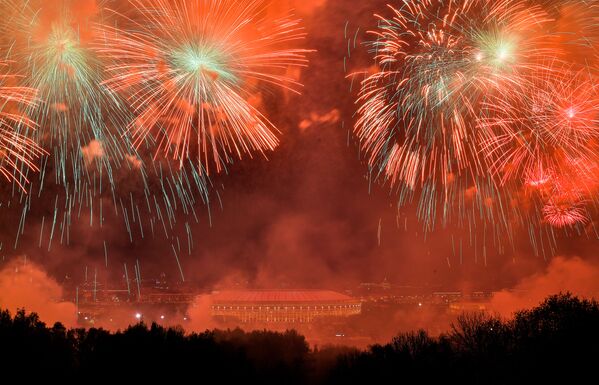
282, 306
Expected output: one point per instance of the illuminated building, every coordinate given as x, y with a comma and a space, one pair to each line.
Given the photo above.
282, 306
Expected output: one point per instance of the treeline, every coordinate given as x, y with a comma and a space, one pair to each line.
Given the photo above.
556, 341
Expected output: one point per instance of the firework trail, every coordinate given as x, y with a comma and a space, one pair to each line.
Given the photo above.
79, 120
190, 70
16, 150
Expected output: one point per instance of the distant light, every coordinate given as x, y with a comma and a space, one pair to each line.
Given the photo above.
420, 304
85, 317
161, 317
138, 315
184, 318
570, 112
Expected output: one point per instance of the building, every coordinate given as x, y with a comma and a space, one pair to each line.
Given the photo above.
282, 306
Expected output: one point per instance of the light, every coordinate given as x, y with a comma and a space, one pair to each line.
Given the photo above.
201, 60
496, 50
138, 315
570, 112
161, 317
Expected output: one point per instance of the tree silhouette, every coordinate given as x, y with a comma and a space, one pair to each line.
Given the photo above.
555, 341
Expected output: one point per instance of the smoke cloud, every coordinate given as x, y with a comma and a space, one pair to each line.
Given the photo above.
573, 275
29, 286
92, 151
199, 314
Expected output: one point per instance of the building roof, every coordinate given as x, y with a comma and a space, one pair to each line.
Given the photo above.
279, 296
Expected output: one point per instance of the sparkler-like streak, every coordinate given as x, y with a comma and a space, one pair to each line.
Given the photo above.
189, 68
17, 151
543, 127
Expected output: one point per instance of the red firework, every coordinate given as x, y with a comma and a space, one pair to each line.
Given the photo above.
193, 71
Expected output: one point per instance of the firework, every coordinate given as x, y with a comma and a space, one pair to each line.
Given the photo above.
570, 198
80, 121
562, 212
544, 137
438, 62
191, 68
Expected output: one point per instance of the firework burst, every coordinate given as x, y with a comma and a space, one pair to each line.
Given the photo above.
438, 61
190, 68
561, 212
79, 120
